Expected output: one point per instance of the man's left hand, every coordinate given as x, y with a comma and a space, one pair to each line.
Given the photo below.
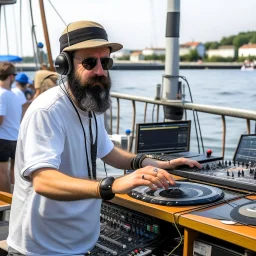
172, 164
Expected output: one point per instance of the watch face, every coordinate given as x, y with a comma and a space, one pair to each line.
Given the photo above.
105, 188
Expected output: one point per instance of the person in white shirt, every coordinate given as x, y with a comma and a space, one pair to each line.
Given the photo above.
10, 116
57, 195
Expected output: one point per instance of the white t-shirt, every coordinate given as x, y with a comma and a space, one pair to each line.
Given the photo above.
51, 136
10, 109
20, 94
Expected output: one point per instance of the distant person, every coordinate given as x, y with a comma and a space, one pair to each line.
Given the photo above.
10, 116
30, 91
22, 82
199, 61
44, 80
57, 195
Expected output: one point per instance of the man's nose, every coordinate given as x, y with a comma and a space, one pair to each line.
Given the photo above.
98, 70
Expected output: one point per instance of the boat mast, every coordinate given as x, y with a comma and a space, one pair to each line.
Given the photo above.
46, 35
171, 85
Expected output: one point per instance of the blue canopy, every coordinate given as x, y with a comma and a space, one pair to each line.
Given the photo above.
11, 58
4, 2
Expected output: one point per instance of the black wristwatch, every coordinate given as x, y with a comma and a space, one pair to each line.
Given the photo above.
105, 188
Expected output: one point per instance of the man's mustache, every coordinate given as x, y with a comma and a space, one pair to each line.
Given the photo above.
100, 80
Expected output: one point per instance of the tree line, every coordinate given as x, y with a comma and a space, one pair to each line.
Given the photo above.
235, 40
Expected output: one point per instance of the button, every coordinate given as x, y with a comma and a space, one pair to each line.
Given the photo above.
208, 152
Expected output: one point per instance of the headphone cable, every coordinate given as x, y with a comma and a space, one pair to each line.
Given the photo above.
93, 172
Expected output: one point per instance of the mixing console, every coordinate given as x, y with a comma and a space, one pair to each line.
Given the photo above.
124, 232
228, 173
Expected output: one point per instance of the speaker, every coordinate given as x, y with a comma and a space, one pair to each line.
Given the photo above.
63, 64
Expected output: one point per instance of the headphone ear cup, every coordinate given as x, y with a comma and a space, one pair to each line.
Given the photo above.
63, 64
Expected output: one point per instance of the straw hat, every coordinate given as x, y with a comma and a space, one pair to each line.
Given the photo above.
85, 34
45, 79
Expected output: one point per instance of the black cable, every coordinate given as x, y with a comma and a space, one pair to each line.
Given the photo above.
199, 127
193, 111
105, 168
181, 238
92, 149
184, 78
69, 97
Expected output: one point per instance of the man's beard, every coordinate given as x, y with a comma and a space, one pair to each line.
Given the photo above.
92, 94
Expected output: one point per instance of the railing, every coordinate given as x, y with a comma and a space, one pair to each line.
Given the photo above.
224, 112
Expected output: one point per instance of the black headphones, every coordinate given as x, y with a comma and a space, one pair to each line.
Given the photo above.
63, 62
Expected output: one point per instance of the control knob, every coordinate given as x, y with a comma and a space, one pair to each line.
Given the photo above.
208, 152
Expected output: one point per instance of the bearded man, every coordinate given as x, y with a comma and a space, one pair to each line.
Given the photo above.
57, 196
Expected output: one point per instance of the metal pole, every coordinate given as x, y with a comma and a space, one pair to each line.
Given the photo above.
6, 32
0, 23
171, 86
46, 35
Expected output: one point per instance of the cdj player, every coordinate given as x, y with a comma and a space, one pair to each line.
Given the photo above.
238, 173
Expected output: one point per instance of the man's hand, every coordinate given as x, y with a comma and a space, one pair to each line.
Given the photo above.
183, 161
172, 164
146, 176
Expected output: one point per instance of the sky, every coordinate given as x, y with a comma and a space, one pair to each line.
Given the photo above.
136, 24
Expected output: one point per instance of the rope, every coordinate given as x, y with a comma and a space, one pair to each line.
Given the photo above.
57, 13
33, 34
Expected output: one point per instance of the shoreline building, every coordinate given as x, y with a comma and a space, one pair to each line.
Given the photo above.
247, 50
224, 51
189, 46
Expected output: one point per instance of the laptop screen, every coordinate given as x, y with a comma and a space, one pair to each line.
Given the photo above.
246, 149
167, 137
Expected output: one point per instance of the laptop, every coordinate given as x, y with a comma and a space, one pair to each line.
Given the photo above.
167, 140
246, 149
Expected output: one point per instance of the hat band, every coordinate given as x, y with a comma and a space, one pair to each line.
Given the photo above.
81, 35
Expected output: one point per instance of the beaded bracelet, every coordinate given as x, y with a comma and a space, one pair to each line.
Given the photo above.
136, 162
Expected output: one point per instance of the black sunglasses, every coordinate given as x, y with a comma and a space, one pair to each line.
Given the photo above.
91, 62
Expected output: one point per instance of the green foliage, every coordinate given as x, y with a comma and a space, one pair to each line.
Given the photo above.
253, 39
125, 57
192, 56
238, 40
211, 45
219, 59
241, 40
250, 58
227, 40
155, 57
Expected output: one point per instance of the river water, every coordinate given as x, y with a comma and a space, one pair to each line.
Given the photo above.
225, 88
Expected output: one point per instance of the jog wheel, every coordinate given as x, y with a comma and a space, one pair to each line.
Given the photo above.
183, 193
245, 213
